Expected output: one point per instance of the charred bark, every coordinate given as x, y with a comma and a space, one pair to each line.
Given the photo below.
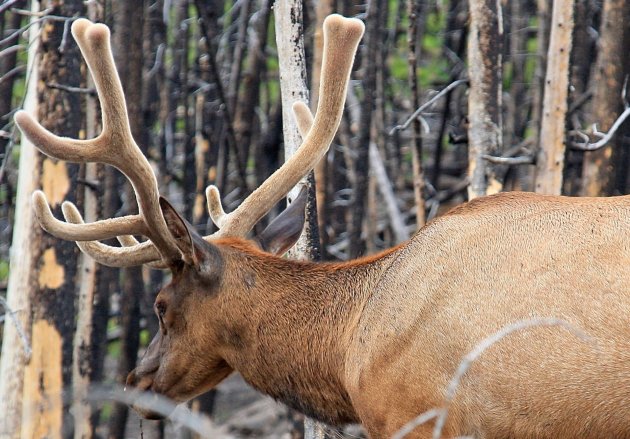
599, 166
484, 104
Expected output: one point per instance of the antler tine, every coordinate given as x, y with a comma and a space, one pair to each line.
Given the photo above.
77, 232
341, 38
303, 117
114, 146
215, 208
137, 254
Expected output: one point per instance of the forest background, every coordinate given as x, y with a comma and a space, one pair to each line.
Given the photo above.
449, 100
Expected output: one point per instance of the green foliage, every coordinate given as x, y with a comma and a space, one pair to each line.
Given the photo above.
4, 270
145, 337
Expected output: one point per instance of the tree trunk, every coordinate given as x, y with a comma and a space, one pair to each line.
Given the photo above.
598, 176
415, 13
27, 236
83, 356
291, 57
484, 102
323, 8
50, 264
551, 148
361, 163
128, 50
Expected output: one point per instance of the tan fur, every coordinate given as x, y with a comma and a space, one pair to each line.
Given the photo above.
377, 340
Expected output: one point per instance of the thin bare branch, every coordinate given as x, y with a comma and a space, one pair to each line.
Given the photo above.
6, 5
418, 421
428, 103
90, 91
23, 29
520, 160
604, 138
482, 346
13, 72
12, 49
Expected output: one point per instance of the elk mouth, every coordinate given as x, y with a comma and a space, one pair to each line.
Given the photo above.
147, 397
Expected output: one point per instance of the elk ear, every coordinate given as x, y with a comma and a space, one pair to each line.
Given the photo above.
286, 228
189, 242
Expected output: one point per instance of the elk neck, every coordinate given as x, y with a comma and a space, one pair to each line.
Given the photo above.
287, 325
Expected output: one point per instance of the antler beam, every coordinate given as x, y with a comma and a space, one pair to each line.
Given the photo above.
114, 146
341, 39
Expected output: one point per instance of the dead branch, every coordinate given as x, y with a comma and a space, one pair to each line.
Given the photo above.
10, 50
424, 106
520, 160
386, 190
7, 5
11, 73
23, 29
604, 138
90, 91
482, 346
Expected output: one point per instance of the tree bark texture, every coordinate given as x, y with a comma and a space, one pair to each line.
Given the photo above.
484, 103
551, 148
291, 57
598, 175
84, 355
27, 236
292, 60
53, 263
128, 52
371, 42
415, 12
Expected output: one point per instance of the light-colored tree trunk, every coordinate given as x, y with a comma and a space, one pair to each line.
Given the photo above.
48, 376
607, 102
82, 344
26, 233
292, 62
323, 8
42, 284
551, 148
484, 102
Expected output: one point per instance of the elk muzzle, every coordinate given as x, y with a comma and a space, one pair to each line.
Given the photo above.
141, 379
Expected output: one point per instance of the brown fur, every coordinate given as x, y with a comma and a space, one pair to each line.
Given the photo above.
377, 340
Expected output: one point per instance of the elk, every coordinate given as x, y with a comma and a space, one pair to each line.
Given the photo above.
374, 340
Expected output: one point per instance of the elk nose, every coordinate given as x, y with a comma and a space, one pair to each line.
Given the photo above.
131, 380
139, 379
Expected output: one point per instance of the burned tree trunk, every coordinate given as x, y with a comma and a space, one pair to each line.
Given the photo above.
484, 103
551, 148
356, 244
127, 46
44, 269
598, 175
85, 356
27, 236
415, 13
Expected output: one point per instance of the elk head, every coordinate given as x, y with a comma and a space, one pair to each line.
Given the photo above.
183, 360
